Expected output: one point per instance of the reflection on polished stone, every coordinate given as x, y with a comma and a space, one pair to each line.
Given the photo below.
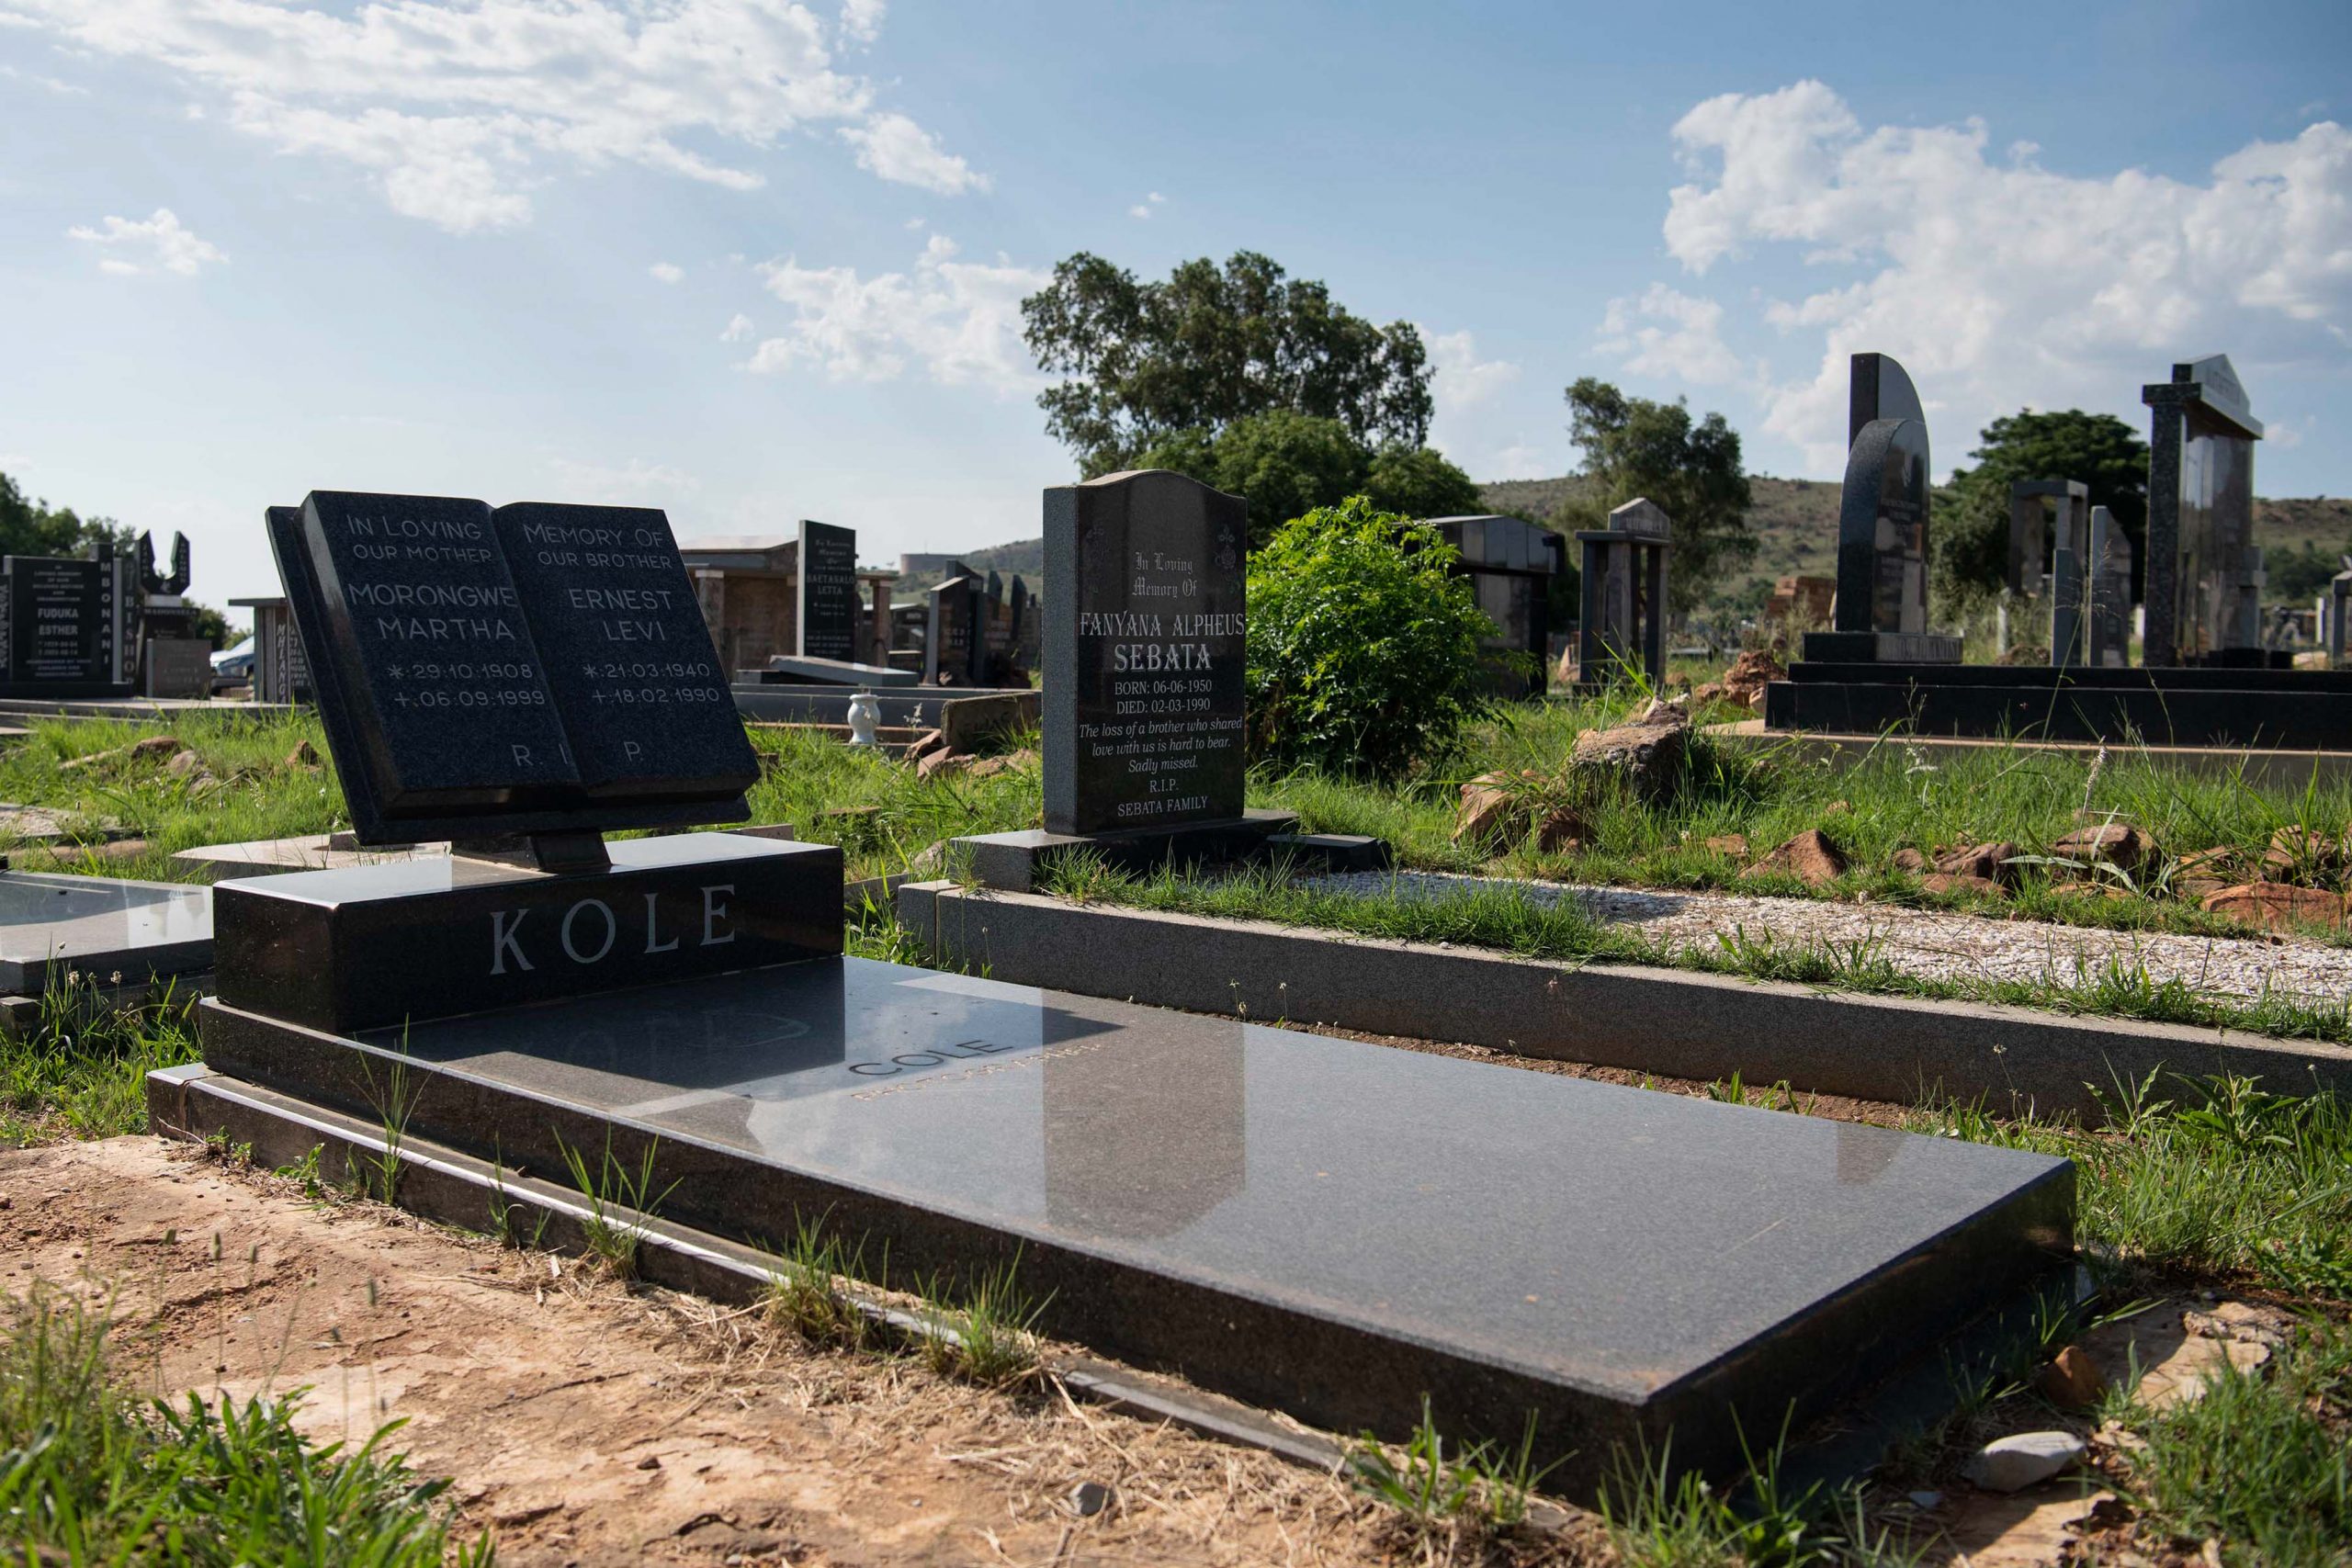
1618, 1238
102, 925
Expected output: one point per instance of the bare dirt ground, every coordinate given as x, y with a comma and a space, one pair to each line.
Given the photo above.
585, 1424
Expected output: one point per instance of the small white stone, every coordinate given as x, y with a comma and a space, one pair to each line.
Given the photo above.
2013, 1463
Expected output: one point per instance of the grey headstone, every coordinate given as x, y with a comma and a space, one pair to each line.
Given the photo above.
826, 625
1144, 653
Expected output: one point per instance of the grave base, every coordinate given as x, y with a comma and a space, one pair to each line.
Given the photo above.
375, 945
2204, 705
1881, 648
111, 930
1016, 863
1327, 1226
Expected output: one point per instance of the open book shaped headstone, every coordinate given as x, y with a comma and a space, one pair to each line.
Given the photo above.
539, 670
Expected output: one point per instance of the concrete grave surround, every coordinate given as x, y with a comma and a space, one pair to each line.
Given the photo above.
100, 927
1144, 653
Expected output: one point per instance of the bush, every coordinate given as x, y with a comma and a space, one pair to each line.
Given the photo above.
1364, 646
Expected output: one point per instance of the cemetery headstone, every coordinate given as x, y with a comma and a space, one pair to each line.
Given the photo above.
2109, 635
2049, 522
518, 681
1881, 614
1624, 620
827, 612
68, 627
461, 706
174, 660
2204, 573
952, 638
1144, 653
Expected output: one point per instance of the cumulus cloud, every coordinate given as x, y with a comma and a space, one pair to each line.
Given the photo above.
738, 329
161, 244
1469, 393
896, 148
1999, 283
667, 272
1671, 335
961, 320
457, 109
1143, 209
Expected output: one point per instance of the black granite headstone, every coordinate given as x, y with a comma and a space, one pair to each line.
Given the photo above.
58, 621
1143, 653
827, 619
638, 692
1879, 388
1882, 606
2204, 571
433, 678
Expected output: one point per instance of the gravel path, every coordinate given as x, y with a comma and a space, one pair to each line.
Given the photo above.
1921, 942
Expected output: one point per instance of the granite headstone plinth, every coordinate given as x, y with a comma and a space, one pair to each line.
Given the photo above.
1144, 653
825, 621
109, 930
2108, 641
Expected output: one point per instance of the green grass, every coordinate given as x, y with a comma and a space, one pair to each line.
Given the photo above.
81, 1070
2214, 1179
2263, 1462
91, 1474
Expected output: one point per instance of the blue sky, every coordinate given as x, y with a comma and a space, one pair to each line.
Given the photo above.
753, 261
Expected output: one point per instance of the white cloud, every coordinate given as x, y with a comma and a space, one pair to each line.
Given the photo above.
960, 320
1143, 209
635, 483
458, 109
738, 329
160, 243
1690, 348
896, 148
667, 272
1998, 285
861, 20
1467, 390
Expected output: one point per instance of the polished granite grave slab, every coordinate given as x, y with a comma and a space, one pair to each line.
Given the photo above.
1327, 1226
101, 926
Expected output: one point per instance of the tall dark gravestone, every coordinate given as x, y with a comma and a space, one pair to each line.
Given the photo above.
1144, 653
1881, 614
826, 615
2204, 573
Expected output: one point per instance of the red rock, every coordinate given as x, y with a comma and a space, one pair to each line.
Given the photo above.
940, 764
2300, 854
2274, 906
1732, 844
1989, 863
1810, 857
1910, 860
1490, 809
1744, 682
2072, 1380
2117, 844
1956, 882
1649, 754
304, 755
2081, 887
930, 740
1561, 829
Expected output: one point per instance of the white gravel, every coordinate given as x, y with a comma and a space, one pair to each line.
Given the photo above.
1924, 943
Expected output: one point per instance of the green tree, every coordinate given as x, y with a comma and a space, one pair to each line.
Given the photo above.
1420, 482
2298, 576
1209, 346
1363, 644
1285, 463
1633, 447
1968, 533
29, 527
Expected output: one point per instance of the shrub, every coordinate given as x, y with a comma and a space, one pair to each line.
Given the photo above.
1364, 646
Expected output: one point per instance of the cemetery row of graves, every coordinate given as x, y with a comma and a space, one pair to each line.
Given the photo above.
1760, 1154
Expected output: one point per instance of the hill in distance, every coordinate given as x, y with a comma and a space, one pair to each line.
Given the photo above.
1795, 521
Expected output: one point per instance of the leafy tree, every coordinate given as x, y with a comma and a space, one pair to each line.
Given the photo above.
1419, 482
1364, 646
1969, 529
1209, 346
1691, 468
2298, 576
30, 527
1286, 464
